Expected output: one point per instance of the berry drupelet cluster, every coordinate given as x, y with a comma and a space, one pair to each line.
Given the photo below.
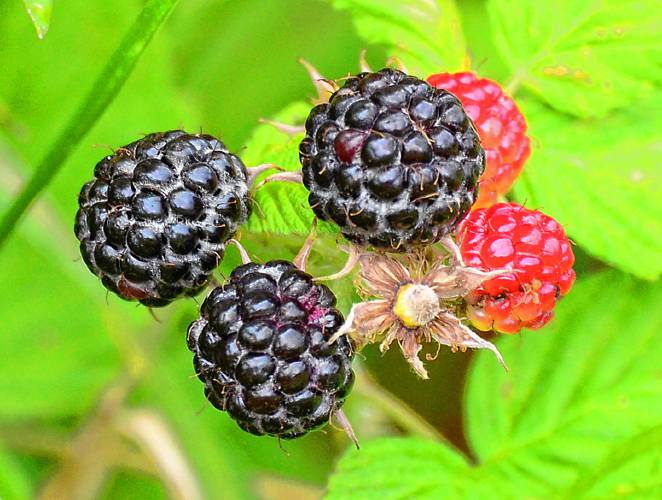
391, 160
531, 244
261, 348
501, 127
154, 221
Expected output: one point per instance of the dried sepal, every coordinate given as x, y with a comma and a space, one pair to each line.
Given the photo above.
366, 322
455, 281
410, 346
381, 276
448, 330
414, 303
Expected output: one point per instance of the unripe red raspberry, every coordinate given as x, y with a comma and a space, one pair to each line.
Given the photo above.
535, 246
501, 127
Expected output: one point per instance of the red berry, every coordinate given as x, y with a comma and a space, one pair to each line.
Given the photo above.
501, 127
535, 246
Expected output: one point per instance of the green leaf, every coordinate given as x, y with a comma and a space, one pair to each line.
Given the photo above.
477, 29
204, 56
579, 411
632, 471
391, 468
602, 180
57, 347
426, 35
61, 332
281, 207
40, 13
110, 81
582, 57
14, 483
576, 389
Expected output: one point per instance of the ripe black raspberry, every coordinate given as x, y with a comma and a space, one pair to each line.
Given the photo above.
261, 349
154, 221
392, 160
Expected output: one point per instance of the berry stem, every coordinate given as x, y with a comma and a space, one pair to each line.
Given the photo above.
394, 408
294, 177
323, 86
449, 245
352, 259
363, 63
254, 172
397, 62
346, 426
301, 259
285, 128
245, 258
105, 88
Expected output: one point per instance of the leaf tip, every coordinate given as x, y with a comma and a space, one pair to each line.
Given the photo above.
40, 14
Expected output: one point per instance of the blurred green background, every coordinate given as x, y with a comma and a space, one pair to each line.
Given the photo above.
98, 400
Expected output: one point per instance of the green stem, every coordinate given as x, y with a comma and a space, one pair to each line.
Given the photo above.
394, 408
105, 88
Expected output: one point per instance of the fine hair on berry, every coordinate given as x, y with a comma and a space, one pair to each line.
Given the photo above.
261, 348
154, 221
391, 160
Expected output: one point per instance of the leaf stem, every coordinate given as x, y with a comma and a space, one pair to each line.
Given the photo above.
103, 91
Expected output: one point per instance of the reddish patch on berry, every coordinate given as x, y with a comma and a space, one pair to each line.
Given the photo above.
538, 251
310, 303
500, 125
348, 143
129, 291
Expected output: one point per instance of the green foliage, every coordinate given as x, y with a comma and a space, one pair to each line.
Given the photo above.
391, 468
595, 363
124, 485
632, 470
582, 57
14, 484
58, 342
40, 13
575, 414
579, 414
104, 90
605, 186
280, 208
427, 35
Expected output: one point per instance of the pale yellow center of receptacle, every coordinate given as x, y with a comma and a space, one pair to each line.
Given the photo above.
416, 305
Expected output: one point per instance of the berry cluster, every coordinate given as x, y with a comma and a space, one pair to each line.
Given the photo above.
395, 162
501, 127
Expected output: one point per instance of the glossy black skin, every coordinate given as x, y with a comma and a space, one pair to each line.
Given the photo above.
261, 349
391, 160
154, 221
